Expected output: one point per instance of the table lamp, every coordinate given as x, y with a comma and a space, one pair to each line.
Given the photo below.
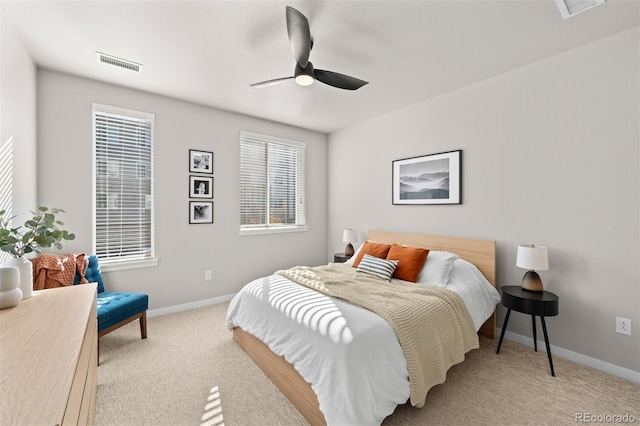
349, 236
532, 257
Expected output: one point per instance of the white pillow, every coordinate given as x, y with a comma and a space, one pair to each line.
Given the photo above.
381, 268
437, 268
478, 294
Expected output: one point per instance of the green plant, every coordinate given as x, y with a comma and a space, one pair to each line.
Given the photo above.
42, 231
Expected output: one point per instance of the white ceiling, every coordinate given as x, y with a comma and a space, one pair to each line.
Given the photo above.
208, 52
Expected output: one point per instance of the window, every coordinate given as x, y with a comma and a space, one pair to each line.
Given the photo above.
6, 184
272, 195
123, 187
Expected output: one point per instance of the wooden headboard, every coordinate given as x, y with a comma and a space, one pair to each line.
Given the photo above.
481, 253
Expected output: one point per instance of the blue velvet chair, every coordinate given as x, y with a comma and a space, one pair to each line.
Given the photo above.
116, 309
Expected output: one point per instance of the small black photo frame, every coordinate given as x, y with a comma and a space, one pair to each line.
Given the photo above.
200, 161
200, 186
200, 211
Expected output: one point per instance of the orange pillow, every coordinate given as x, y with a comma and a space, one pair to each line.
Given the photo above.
410, 261
374, 249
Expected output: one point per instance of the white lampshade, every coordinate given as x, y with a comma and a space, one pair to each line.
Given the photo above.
532, 257
349, 236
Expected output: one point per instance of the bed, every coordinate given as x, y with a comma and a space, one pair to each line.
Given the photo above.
282, 324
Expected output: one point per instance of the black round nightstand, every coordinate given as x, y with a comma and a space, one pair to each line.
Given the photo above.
542, 304
341, 257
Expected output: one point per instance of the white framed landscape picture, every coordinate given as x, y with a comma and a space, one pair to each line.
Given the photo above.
428, 179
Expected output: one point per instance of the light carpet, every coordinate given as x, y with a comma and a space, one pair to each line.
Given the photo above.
189, 371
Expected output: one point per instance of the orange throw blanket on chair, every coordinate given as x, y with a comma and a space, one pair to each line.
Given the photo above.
51, 271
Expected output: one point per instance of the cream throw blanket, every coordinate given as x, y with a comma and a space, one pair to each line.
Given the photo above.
432, 323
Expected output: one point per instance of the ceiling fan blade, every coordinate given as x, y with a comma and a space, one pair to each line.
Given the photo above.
338, 80
299, 36
271, 82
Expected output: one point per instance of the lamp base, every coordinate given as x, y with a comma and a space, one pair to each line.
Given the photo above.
532, 282
348, 250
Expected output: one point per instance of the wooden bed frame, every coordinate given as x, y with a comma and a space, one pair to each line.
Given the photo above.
481, 253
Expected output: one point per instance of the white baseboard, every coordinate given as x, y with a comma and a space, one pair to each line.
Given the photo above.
624, 373
188, 306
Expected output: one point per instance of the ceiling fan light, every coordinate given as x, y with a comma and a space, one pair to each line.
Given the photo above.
304, 76
304, 80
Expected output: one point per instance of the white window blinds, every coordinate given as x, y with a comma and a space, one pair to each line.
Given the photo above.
123, 213
272, 188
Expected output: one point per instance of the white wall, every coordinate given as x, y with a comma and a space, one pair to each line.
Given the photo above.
185, 251
550, 156
17, 121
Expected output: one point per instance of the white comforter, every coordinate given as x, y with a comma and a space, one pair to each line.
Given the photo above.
351, 356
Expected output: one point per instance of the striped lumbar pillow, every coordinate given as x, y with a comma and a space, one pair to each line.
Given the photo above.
381, 268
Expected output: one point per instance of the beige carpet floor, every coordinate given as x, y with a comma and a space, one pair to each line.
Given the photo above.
189, 371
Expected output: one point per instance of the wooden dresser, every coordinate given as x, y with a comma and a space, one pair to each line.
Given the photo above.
49, 358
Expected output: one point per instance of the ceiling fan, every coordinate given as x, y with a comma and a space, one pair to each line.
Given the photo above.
304, 73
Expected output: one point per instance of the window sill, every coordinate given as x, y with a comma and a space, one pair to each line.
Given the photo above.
272, 230
127, 264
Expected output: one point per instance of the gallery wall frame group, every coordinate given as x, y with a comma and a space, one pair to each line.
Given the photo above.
201, 186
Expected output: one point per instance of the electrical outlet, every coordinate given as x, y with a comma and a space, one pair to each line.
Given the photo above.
623, 326
207, 275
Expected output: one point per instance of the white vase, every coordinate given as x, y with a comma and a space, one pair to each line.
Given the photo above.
25, 267
10, 293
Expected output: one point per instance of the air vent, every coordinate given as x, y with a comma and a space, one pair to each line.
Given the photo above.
568, 8
118, 62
